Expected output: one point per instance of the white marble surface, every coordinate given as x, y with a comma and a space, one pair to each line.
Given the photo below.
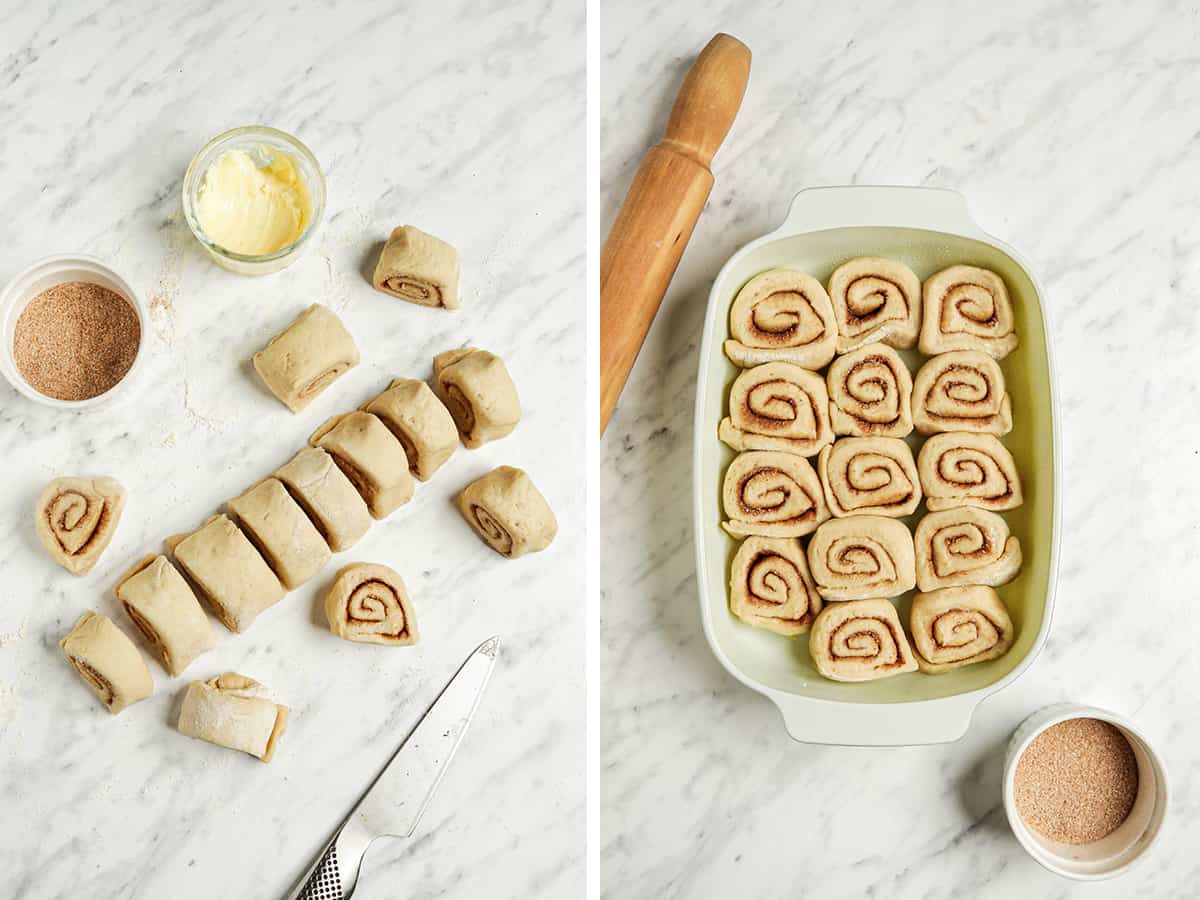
466, 121
1071, 128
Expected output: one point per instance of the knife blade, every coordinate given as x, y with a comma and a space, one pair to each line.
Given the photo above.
394, 802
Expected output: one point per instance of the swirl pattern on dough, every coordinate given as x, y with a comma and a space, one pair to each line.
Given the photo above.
861, 640
959, 626
964, 469
967, 308
782, 316
770, 586
75, 519
875, 300
777, 406
962, 390
870, 393
869, 476
860, 557
369, 603
965, 545
772, 494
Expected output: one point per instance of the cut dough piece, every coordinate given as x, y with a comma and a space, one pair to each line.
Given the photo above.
306, 357
327, 496
479, 393
107, 660
419, 268
281, 531
368, 603
420, 422
964, 469
371, 457
231, 575
778, 406
967, 308
861, 640
770, 586
875, 300
509, 512
959, 626
962, 390
861, 557
870, 476
773, 494
870, 393
76, 518
782, 316
163, 607
232, 711
965, 545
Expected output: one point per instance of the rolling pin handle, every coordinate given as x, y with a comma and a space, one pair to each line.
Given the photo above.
708, 99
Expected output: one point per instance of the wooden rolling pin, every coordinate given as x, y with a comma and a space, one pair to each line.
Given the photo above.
666, 198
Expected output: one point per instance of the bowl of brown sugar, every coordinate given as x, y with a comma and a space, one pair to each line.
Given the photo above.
73, 332
1084, 791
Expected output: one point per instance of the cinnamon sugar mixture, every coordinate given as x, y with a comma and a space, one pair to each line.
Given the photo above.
76, 340
1076, 781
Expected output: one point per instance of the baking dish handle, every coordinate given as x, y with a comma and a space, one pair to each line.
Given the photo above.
877, 725
934, 209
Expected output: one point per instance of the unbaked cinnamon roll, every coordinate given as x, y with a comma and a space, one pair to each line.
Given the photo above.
160, 603
861, 557
777, 406
875, 300
861, 640
233, 711
869, 476
964, 469
479, 393
770, 586
368, 603
419, 268
870, 393
772, 494
508, 511
76, 518
962, 390
306, 357
967, 308
965, 545
782, 316
107, 660
959, 626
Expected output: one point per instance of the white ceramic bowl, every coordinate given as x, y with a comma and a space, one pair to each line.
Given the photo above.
44, 274
927, 229
1111, 855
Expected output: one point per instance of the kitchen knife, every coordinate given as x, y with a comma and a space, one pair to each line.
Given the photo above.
393, 804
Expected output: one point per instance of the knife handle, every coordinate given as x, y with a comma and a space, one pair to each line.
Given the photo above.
334, 874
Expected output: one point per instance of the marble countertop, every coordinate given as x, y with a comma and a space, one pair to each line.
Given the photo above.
466, 122
1071, 129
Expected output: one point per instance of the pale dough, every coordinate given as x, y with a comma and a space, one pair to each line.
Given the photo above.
306, 357
875, 300
107, 660
870, 393
371, 457
782, 316
962, 390
959, 626
327, 496
281, 531
860, 640
76, 518
861, 557
508, 512
232, 711
161, 604
420, 422
368, 603
419, 268
777, 406
770, 586
773, 494
480, 394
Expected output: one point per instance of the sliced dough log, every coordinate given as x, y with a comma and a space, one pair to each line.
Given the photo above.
770, 586
76, 518
860, 557
778, 406
480, 394
420, 422
371, 457
782, 316
870, 393
965, 469
964, 545
282, 532
164, 608
508, 511
305, 358
959, 626
870, 476
967, 308
107, 660
327, 496
369, 603
875, 300
961, 391
772, 494
861, 640
233, 711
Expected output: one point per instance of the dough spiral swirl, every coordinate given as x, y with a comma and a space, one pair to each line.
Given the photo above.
870, 393
964, 469
965, 545
369, 603
860, 557
782, 316
772, 494
861, 640
875, 300
76, 518
770, 586
967, 308
777, 406
962, 390
869, 476
959, 626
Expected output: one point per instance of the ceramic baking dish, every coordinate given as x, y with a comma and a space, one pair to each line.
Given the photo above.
929, 230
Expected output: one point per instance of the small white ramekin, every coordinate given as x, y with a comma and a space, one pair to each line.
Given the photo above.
250, 138
1111, 855
44, 274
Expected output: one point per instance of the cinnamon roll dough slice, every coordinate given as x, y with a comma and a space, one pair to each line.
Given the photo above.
869, 476
371, 457
875, 300
967, 308
161, 604
327, 496
959, 626
368, 603
107, 660
420, 422
227, 571
479, 393
861, 557
962, 390
964, 469
782, 316
233, 711
965, 545
861, 640
772, 494
419, 268
76, 518
870, 393
508, 512
777, 406
306, 357
770, 586
281, 531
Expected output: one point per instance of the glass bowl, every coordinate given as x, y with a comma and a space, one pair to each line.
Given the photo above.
252, 138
